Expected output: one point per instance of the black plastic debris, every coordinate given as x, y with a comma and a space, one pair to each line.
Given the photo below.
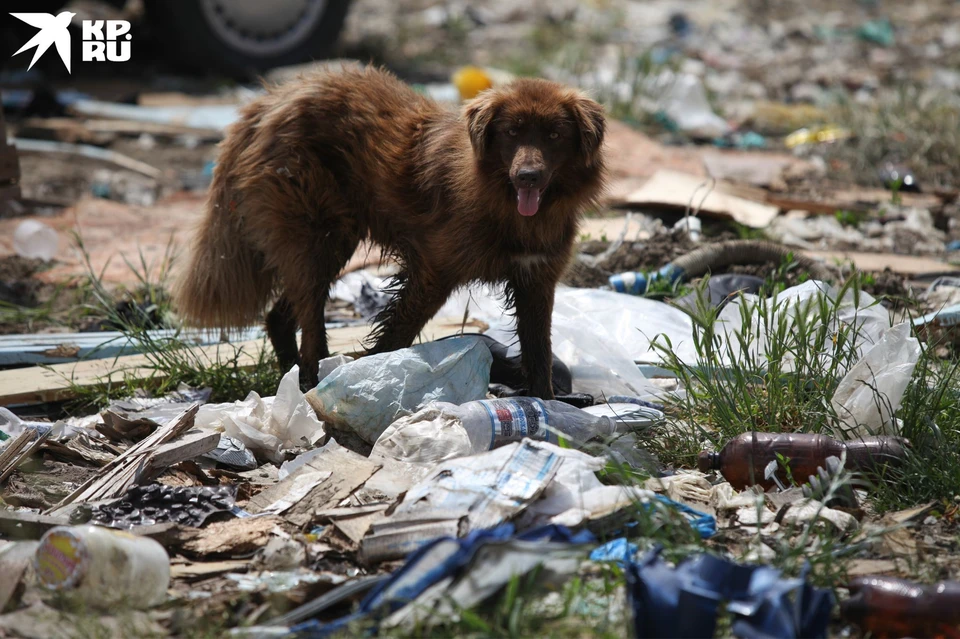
157, 503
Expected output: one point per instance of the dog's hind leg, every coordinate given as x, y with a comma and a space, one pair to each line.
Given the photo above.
419, 296
307, 274
282, 330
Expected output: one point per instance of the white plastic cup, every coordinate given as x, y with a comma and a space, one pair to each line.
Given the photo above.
102, 567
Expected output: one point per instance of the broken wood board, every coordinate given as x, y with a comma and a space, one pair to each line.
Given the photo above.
756, 168
59, 382
113, 479
20, 449
236, 537
87, 152
104, 131
629, 153
188, 446
333, 473
680, 191
202, 569
903, 264
17, 525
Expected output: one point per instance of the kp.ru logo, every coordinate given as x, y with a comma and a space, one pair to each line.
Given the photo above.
101, 38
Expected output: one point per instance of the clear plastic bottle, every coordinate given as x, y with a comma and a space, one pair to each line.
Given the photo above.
441, 430
103, 567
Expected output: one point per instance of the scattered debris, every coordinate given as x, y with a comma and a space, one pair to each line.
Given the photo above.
138, 463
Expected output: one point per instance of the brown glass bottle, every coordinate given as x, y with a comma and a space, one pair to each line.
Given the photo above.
889, 607
805, 452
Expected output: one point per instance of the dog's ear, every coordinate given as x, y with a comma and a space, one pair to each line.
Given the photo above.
591, 122
479, 114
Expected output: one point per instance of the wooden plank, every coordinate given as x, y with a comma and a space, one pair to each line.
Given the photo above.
189, 445
56, 383
903, 264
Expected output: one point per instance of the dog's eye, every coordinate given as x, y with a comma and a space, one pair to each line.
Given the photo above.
512, 133
554, 135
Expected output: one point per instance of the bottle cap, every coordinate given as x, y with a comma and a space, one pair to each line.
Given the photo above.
707, 461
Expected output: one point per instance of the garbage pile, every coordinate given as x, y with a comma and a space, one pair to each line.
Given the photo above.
411, 486
753, 354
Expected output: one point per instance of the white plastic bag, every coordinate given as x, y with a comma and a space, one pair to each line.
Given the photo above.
597, 334
369, 394
868, 319
870, 393
267, 425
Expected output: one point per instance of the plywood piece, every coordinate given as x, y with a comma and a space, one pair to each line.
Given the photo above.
53, 383
680, 190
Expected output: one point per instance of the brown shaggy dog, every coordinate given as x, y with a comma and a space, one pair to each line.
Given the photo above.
315, 166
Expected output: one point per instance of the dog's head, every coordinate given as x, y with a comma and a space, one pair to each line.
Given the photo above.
532, 129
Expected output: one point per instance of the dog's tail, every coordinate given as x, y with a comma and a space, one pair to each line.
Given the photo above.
225, 282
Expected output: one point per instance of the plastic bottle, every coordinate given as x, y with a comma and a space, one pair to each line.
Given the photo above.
805, 452
102, 567
441, 430
890, 607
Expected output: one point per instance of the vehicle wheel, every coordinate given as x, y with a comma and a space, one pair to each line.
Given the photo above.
242, 37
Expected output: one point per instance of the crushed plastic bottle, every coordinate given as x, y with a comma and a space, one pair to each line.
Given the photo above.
890, 607
743, 460
35, 240
441, 430
102, 567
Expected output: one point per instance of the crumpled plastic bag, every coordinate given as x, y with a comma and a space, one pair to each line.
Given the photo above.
810, 511
868, 319
870, 393
267, 425
429, 436
369, 394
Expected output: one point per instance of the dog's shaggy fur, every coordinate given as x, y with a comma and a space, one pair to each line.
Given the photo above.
313, 167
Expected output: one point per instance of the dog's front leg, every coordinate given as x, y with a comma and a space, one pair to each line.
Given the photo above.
533, 303
418, 299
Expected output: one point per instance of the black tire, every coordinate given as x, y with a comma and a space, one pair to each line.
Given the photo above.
200, 47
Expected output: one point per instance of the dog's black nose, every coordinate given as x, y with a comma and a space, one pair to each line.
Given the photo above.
529, 178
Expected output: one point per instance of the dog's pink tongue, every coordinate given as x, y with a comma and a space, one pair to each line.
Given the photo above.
528, 201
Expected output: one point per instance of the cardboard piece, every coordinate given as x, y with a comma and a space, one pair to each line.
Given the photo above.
679, 191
